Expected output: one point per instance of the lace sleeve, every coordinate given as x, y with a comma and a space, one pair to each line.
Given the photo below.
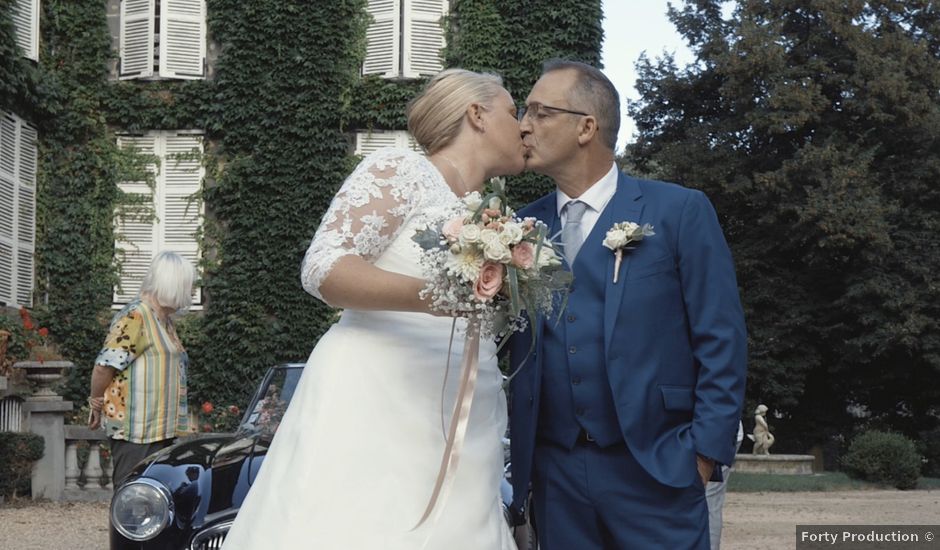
365, 215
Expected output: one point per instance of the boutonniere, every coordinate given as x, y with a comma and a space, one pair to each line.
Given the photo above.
620, 235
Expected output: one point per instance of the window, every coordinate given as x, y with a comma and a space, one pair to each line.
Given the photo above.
168, 212
369, 142
17, 210
168, 36
26, 27
404, 38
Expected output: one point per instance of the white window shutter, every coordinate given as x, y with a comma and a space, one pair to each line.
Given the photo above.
18, 160
182, 38
26, 27
180, 207
369, 142
412, 144
26, 215
423, 37
171, 215
383, 43
136, 28
136, 225
8, 192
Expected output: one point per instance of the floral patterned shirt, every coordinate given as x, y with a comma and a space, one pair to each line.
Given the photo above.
146, 400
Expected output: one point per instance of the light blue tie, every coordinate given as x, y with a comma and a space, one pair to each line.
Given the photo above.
571, 237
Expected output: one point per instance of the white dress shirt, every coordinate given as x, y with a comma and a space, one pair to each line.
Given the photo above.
596, 197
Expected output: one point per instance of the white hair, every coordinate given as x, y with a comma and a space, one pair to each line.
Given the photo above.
169, 281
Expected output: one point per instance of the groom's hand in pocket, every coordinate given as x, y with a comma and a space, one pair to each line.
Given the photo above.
705, 468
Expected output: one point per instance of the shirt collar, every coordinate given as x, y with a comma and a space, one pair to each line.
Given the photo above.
597, 196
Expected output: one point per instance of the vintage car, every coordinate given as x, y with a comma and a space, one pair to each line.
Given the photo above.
186, 496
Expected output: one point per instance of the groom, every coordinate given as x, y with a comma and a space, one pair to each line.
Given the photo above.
631, 400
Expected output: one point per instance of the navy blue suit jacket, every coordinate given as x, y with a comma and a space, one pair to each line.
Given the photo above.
676, 346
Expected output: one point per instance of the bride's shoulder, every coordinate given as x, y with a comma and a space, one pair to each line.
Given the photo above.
392, 159
400, 166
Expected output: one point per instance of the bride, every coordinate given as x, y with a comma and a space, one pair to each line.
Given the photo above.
355, 459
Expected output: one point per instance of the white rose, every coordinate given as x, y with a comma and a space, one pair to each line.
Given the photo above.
629, 227
511, 234
547, 257
470, 234
473, 200
616, 238
497, 252
488, 236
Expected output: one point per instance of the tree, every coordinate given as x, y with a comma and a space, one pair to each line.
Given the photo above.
814, 126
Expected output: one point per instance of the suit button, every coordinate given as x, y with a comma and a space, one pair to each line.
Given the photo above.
571, 318
576, 380
572, 350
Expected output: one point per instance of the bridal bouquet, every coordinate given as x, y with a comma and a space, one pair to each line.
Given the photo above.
485, 263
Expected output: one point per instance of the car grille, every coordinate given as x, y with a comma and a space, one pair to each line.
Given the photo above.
212, 537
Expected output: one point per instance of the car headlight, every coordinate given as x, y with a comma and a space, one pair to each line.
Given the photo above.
141, 509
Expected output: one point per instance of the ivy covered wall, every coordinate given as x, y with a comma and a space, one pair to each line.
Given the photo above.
277, 116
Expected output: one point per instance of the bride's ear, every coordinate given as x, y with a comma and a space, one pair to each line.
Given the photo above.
475, 117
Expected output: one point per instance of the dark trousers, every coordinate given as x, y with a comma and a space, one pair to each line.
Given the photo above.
125, 455
594, 498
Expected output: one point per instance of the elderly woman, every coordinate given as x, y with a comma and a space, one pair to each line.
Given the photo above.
138, 386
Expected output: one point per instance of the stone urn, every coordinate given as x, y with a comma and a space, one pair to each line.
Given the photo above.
44, 374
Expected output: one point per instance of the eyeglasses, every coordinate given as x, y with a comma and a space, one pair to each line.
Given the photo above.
537, 110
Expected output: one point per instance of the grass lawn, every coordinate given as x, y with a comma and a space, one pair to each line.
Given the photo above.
826, 481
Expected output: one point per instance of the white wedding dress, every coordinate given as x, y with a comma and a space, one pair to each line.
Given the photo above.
355, 459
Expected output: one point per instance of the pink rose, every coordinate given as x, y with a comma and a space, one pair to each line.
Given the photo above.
489, 282
523, 255
452, 228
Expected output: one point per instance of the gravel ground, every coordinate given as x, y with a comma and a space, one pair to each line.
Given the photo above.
753, 521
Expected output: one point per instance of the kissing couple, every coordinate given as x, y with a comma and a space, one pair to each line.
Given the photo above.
625, 401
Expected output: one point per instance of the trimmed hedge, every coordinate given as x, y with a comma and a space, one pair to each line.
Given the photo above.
883, 457
18, 452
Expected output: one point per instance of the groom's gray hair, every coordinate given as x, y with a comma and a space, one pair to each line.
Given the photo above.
595, 91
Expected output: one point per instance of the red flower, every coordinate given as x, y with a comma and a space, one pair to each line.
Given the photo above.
28, 324
207, 427
207, 407
44, 332
233, 409
24, 313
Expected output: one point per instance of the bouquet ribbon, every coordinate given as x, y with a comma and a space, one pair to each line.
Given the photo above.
470, 363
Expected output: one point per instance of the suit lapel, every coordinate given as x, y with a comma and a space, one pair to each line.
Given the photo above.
626, 205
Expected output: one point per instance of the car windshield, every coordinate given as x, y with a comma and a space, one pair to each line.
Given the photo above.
271, 400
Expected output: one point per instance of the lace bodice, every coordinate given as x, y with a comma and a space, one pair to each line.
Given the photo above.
389, 191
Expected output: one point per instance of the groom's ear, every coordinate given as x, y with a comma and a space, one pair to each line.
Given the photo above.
587, 130
475, 117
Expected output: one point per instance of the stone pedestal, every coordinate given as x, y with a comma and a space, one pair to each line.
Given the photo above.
46, 418
774, 464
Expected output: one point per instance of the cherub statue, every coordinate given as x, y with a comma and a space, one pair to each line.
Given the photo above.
761, 437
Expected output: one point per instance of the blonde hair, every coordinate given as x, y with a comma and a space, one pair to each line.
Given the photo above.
170, 280
435, 115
